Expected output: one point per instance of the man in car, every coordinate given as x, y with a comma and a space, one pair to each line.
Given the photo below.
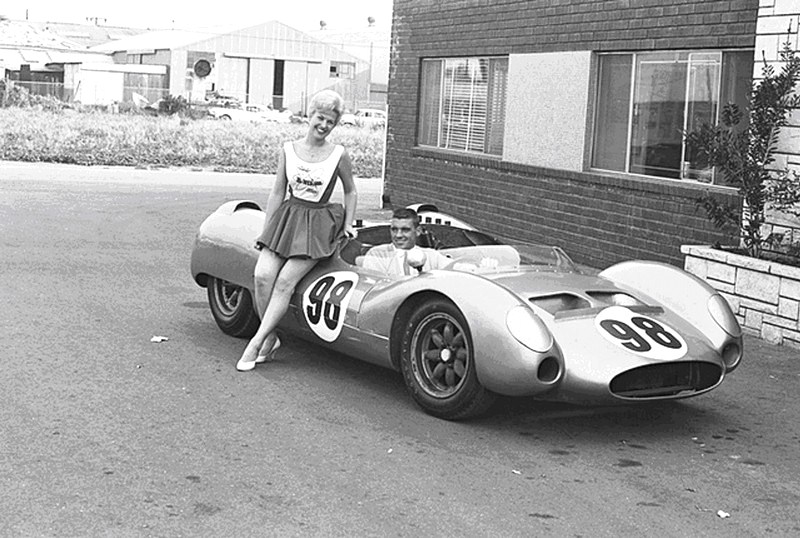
402, 256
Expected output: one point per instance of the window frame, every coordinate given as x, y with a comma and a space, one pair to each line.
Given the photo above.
434, 127
343, 70
634, 62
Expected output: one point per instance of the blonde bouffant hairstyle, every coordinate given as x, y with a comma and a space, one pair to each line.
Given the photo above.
328, 101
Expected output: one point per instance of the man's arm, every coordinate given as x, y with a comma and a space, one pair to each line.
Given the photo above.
436, 260
377, 259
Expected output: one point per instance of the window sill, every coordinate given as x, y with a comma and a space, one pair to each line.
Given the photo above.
617, 179
466, 157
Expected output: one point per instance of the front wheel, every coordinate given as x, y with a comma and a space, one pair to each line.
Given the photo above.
438, 363
232, 308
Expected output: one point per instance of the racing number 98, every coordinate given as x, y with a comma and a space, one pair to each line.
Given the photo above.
326, 301
633, 340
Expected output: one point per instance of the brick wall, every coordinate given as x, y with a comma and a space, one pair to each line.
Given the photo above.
599, 219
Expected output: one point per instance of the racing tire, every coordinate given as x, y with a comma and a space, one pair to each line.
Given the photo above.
438, 363
232, 307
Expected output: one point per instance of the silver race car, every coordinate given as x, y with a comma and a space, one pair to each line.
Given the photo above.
514, 320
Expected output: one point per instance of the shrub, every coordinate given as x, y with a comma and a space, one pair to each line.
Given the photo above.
172, 104
744, 156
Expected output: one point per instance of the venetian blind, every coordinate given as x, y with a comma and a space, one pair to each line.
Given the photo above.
464, 104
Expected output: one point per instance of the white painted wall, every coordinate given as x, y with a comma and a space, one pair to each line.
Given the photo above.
546, 107
775, 18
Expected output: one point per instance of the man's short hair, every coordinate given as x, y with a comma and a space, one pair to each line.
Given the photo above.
406, 213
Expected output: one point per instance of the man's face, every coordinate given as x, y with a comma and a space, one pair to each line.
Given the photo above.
404, 233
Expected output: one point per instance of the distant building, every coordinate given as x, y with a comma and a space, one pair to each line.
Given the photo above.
372, 45
270, 63
87, 35
54, 59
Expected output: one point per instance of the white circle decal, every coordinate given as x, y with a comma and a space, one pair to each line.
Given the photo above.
325, 303
640, 334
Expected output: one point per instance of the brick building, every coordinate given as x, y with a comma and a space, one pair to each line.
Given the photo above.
560, 122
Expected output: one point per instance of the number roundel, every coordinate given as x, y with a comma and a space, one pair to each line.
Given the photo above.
640, 334
325, 303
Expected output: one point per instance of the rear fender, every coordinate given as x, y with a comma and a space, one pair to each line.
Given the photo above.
224, 246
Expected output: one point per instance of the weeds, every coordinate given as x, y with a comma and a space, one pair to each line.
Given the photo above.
36, 134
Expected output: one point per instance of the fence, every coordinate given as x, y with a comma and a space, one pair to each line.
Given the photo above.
140, 93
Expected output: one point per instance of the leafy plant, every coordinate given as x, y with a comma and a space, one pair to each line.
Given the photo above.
744, 156
172, 104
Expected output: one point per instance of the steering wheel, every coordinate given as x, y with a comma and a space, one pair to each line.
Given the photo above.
429, 240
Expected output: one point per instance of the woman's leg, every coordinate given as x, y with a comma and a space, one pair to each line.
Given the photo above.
283, 286
267, 268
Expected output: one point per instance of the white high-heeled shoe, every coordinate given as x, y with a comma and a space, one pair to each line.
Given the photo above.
271, 353
246, 366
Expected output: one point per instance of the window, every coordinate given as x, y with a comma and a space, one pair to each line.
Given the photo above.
462, 104
343, 70
646, 101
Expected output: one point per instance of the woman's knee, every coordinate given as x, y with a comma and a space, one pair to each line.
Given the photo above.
284, 285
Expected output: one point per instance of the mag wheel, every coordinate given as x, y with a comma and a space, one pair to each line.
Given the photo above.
438, 363
232, 308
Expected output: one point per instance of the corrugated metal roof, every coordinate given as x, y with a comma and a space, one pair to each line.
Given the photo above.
18, 34
42, 60
269, 39
87, 35
155, 40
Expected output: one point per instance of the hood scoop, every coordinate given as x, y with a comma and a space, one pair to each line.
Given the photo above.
559, 303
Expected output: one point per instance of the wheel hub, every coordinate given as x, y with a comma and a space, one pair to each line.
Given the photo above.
445, 355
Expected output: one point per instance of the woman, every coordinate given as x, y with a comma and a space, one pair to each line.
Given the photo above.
303, 228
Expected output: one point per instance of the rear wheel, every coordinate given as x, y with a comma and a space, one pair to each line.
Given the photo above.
438, 363
232, 308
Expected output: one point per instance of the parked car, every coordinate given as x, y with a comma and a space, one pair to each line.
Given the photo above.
364, 118
514, 320
250, 112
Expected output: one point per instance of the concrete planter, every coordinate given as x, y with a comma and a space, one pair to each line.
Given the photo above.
764, 295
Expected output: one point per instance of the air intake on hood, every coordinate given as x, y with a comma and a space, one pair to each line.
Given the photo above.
560, 302
614, 298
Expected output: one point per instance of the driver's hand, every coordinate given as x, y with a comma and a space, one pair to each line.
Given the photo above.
416, 258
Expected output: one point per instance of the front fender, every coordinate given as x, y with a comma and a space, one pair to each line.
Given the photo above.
689, 297
503, 365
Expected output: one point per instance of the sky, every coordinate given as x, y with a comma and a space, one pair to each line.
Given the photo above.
303, 15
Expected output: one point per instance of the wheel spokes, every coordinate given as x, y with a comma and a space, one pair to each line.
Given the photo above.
442, 355
432, 355
233, 297
458, 341
448, 334
450, 377
437, 339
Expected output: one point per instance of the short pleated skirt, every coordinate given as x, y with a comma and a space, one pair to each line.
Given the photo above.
303, 229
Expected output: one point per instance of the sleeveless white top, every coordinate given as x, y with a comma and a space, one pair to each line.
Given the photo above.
310, 181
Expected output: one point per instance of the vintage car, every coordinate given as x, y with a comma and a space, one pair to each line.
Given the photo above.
253, 113
366, 117
515, 320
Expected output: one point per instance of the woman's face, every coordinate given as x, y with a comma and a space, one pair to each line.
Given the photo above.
321, 123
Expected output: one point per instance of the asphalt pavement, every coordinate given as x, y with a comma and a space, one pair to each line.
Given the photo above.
108, 431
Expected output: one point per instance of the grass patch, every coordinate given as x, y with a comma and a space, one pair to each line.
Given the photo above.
99, 138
